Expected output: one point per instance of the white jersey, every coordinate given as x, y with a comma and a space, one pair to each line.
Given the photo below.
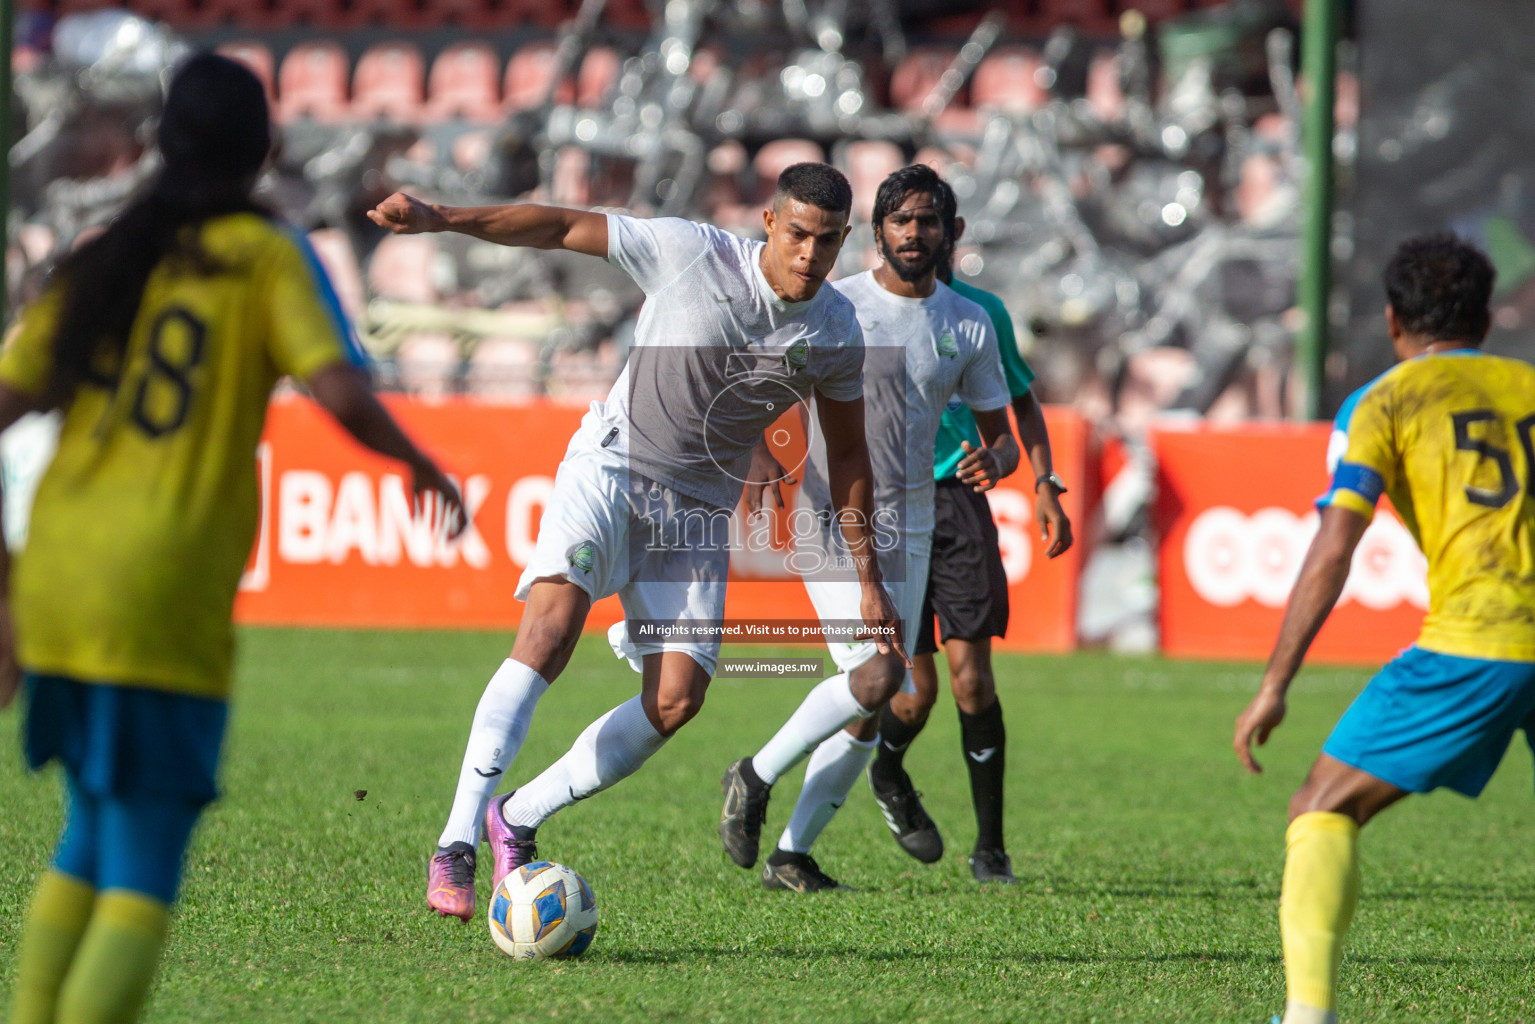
717, 357
918, 354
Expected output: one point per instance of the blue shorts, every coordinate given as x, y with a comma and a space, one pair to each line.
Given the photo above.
141, 765
1429, 720
125, 741
135, 843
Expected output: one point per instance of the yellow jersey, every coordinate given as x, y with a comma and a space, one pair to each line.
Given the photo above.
143, 522
1450, 438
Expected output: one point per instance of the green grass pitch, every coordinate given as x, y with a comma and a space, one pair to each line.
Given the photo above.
1150, 863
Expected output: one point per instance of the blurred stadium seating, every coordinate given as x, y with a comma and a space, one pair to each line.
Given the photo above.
465, 83
1026, 17
389, 83
312, 82
437, 82
1005, 81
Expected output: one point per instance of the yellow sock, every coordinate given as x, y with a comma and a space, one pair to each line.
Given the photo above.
116, 961
1316, 904
61, 908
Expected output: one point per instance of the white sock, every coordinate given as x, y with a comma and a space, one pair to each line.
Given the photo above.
1300, 1013
610, 750
825, 710
500, 725
829, 777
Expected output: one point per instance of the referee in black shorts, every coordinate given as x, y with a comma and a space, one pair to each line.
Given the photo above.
967, 591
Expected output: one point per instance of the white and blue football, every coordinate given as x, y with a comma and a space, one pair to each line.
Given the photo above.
541, 911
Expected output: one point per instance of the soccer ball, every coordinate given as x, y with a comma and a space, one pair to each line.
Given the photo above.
543, 910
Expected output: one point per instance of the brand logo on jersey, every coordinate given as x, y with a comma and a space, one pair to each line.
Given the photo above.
798, 355
488, 775
947, 346
982, 756
582, 556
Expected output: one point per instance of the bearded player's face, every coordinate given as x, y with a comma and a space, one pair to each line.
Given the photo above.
912, 239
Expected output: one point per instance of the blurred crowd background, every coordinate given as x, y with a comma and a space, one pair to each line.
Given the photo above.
1128, 171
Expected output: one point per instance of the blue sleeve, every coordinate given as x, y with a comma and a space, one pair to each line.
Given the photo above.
1363, 485
326, 293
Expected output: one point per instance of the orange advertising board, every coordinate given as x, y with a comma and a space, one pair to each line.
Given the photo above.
338, 544
1235, 517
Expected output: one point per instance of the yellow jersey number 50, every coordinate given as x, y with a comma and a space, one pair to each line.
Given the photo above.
1508, 482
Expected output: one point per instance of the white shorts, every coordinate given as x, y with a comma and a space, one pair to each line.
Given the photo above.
840, 599
665, 555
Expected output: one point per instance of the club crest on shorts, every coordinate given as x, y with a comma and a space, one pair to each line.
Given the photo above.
947, 345
798, 355
582, 556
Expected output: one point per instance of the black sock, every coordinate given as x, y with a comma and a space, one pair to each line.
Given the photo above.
894, 737
985, 744
750, 777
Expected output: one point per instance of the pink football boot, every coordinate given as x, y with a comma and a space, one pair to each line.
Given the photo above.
508, 852
450, 881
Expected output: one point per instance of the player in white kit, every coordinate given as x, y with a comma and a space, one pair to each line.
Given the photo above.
923, 345
731, 330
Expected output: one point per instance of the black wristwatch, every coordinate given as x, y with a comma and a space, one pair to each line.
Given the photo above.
1052, 480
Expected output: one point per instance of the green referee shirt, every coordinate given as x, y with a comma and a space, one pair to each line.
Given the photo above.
958, 424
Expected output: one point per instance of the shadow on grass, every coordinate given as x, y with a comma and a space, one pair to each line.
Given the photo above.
1523, 961
1267, 888
1449, 892
693, 955
1240, 888
1179, 888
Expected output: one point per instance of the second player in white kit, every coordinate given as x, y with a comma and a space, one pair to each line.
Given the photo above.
919, 352
924, 344
731, 330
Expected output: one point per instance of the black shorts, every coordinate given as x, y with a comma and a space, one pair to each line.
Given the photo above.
966, 583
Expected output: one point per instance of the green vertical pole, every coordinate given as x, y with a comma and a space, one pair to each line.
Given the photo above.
1319, 37
7, 43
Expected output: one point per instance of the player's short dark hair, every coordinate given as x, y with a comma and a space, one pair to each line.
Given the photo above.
1439, 286
818, 185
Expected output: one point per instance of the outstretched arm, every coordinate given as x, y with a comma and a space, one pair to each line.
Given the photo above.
851, 480
1317, 589
524, 224
345, 392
